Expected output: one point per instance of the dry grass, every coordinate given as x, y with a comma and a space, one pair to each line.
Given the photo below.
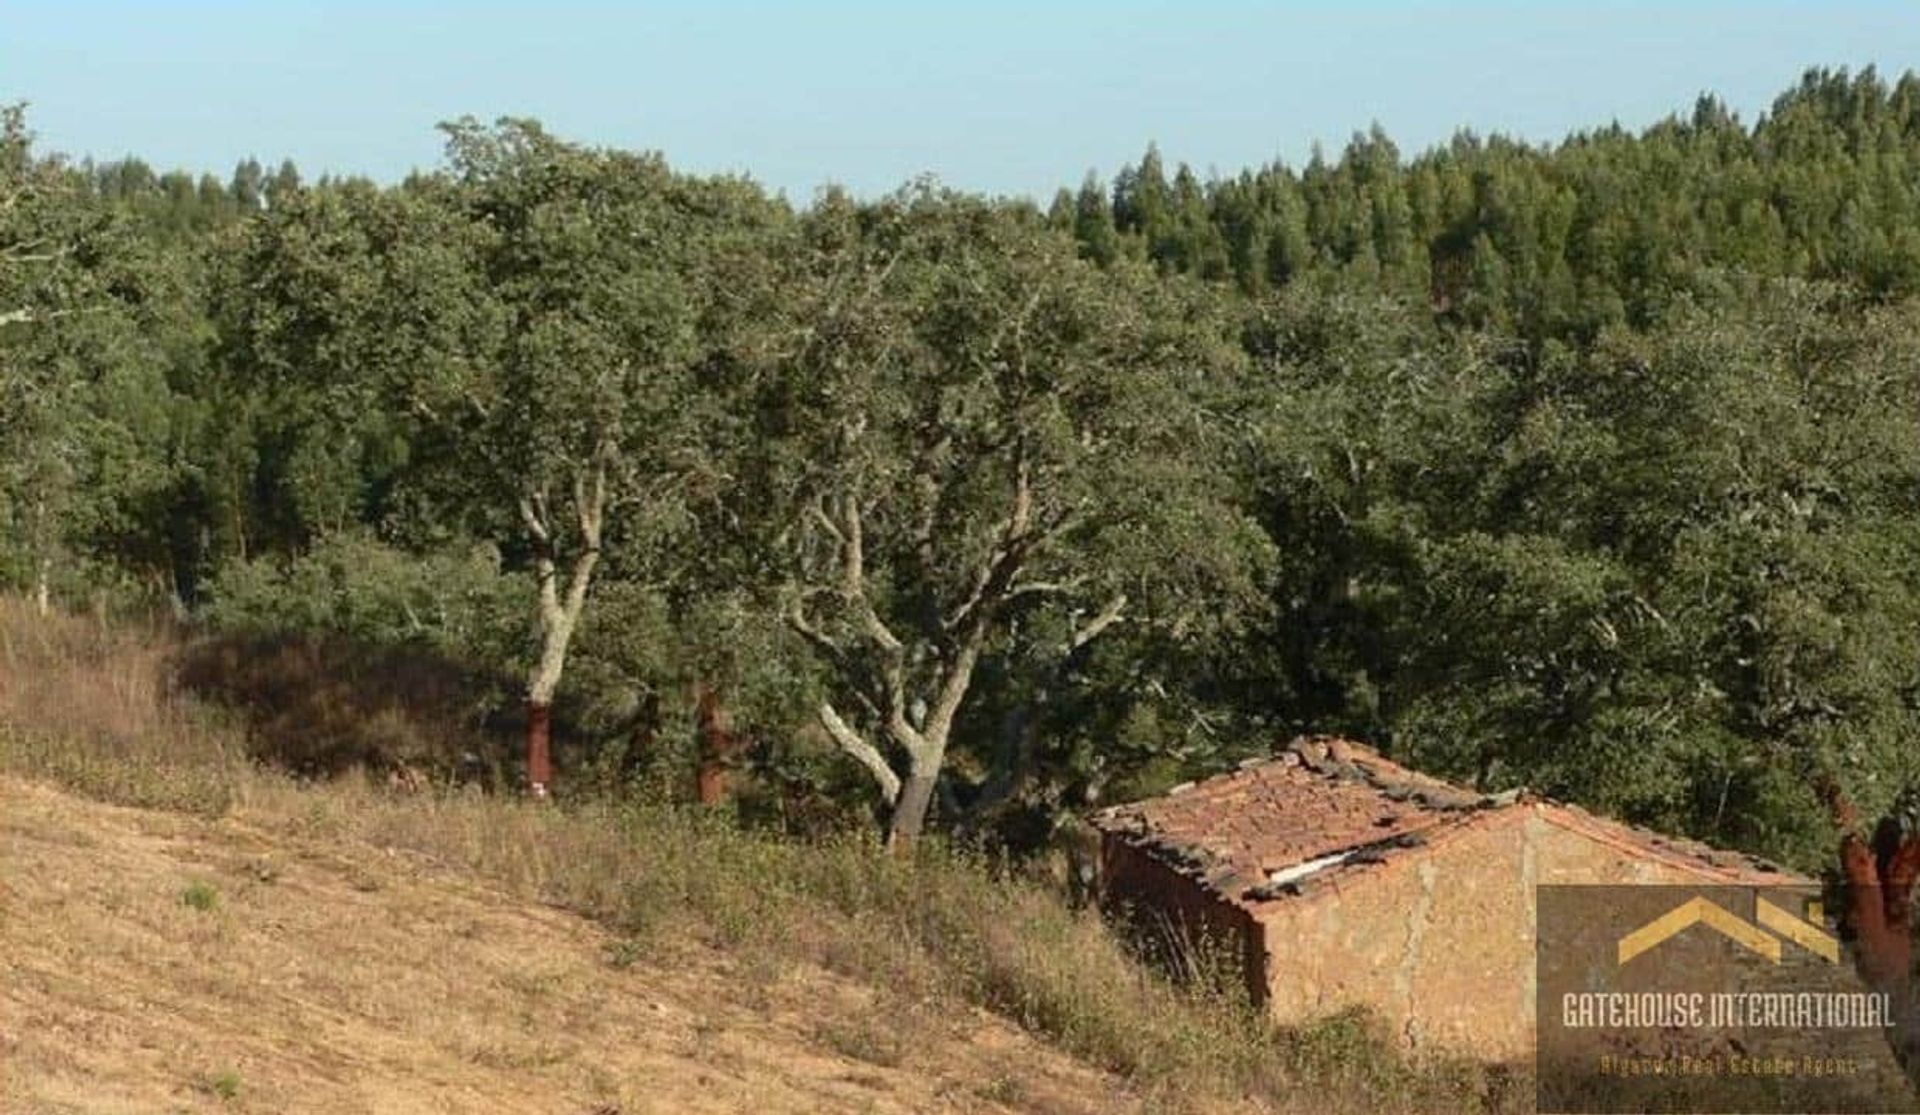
86, 705
332, 978
91, 704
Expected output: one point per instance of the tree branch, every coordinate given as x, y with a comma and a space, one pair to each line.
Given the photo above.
590, 504
996, 574
1839, 806
818, 514
855, 745
531, 517
1113, 613
23, 252
854, 579
796, 618
1044, 588
953, 686
24, 316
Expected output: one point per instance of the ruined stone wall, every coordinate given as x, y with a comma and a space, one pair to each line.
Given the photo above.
1171, 914
1439, 940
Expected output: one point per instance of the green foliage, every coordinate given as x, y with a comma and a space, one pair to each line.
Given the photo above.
89, 316
1593, 466
456, 601
1670, 575
200, 895
225, 1085
1560, 240
985, 454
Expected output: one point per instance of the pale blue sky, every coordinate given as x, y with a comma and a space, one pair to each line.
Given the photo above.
1002, 97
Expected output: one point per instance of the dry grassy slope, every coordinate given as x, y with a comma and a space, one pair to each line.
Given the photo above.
333, 978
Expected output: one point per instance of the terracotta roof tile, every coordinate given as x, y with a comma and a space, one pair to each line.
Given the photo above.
1324, 797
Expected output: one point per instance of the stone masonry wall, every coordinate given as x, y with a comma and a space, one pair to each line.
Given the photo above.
1439, 940
1171, 913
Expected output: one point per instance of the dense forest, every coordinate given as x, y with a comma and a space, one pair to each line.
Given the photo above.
1592, 466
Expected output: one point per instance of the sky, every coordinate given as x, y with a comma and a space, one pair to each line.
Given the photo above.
999, 97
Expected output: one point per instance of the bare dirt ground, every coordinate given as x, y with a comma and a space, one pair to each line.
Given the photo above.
154, 962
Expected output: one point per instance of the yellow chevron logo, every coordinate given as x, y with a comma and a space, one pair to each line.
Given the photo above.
1763, 939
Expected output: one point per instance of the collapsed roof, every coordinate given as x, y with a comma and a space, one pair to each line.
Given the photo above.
1324, 810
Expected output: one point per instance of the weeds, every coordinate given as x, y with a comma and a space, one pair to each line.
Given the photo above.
225, 1085
200, 896
864, 1040
1006, 1088
623, 954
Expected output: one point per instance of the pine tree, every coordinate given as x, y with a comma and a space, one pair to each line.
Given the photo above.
247, 185
283, 185
1093, 223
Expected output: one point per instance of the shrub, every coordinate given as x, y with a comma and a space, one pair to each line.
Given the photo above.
457, 602
200, 895
225, 1085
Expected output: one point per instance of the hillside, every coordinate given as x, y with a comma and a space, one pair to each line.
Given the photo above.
369, 948
328, 976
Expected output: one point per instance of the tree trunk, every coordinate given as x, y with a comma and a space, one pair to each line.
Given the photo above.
910, 808
43, 587
559, 614
1880, 906
42, 536
717, 745
539, 746
541, 686
641, 740
1879, 884
1879, 911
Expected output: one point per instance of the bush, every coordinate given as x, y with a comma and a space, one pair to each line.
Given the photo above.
200, 895
456, 602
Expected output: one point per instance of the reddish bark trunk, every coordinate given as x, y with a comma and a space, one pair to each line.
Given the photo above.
717, 745
710, 783
1879, 880
1878, 911
539, 747
1879, 889
640, 741
1902, 868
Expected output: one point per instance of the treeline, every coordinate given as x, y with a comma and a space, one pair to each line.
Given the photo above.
1605, 228
1592, 467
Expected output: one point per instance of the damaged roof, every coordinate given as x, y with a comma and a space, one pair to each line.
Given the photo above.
1325, 808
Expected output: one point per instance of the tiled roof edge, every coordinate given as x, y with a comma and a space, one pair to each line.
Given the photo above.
1671, 850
